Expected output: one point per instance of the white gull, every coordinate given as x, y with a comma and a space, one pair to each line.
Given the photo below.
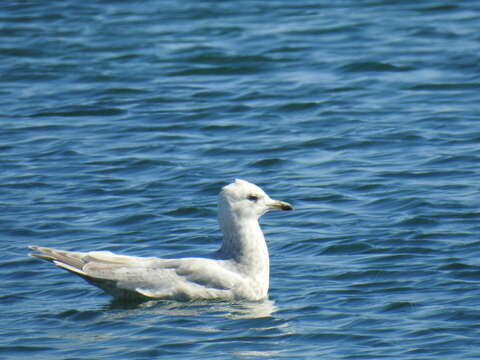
238, 270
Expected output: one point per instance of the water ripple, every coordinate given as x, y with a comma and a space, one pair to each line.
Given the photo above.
121, 122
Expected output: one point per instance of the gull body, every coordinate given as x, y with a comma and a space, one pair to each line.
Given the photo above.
238, 270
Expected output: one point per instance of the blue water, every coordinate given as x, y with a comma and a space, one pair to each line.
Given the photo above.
121, 121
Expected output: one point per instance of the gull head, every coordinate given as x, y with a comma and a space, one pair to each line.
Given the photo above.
245, 200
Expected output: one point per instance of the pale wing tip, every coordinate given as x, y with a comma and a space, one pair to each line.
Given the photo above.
38, 249
41, 256
70, 268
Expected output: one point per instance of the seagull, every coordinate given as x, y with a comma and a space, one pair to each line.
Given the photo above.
239, 270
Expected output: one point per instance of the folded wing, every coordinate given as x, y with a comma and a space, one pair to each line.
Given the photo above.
133, 277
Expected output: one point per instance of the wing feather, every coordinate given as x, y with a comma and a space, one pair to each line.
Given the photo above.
127, 276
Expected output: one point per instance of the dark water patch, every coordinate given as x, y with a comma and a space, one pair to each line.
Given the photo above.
452, 160
131, 164
302, 246
16, 263
369, 274
289, 49
432, 237
21, 52
222, 128
417, 221
446, 86
358, 144
372, 187
80, 112
212, 94
353, 248
218, 70
184, 211
464, 315
221, 58
415, 250
442, 349
327, 198
163, 99
131, 220
23, 350
26, 185
372, 66
400, 306
443, 174
404, 135
337, 29
344, 89
387, 287
457, 266
122, 91
467, 275
439, 8
269, 163
21, 232
460, 214
76, 315
329, 337
164, 351
392, 259
299, 106
43, 129
11, 299
20, 274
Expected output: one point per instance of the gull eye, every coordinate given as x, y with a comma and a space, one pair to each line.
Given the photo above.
252, 197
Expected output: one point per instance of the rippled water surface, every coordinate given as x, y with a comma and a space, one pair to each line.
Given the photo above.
121, 121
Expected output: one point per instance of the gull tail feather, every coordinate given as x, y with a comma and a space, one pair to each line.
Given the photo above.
69, 260
74, 262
